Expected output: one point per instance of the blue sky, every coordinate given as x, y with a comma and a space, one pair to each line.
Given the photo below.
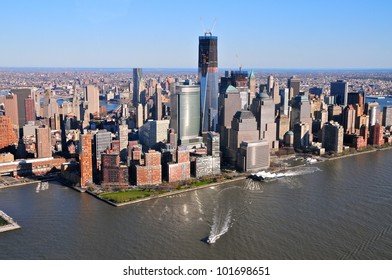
157, 33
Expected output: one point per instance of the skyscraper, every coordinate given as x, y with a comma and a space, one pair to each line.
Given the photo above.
387, 116
294, 86
349, 117
332, 137
22, 94
123, 137
208, 79
252, 86
158, 103
185, 109
263, 108
301, 135
102, 142
339, 89
138, 85
85, 159
30, 109
43, 142
8, 136
11, 108
92, 97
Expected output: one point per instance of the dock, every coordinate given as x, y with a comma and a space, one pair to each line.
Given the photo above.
12, 225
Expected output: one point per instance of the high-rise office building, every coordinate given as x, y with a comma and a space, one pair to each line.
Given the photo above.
185, 113
30, 109
43, 142
102, 142
157, 115
335, 113
123, 137
243, 128
208, 79
92, 97
253, 155
252, 86
86, 160
11, 108
138, 86
349, 117
357, 100
239, 80
275, 95
339, 90
332, 137
387, 116
22, 94
284, 97
270, 83
374, 113
301, 113
294, 86
263, 108
229, 102
301, 135
8, 135
376, 135
153, 132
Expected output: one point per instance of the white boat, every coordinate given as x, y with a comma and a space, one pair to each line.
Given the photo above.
212, 239
311, 160
266, 176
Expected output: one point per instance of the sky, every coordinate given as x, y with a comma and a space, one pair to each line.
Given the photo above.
164, 34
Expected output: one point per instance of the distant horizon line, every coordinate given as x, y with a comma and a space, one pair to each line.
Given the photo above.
193, 69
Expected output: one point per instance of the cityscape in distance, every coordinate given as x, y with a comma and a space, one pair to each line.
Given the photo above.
133, 136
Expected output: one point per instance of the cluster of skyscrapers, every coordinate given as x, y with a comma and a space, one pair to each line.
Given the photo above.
174, 129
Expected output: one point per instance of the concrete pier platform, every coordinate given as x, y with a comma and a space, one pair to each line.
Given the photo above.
12, 225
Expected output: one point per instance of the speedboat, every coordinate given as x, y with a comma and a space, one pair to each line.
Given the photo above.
212, 239
266, 176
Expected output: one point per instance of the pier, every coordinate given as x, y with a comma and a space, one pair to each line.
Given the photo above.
11, 224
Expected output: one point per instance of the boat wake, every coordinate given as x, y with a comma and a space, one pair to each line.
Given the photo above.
302, 171
220, 226
42, 186
251, 185
269, 176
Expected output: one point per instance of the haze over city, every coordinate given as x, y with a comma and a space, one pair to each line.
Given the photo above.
254, 34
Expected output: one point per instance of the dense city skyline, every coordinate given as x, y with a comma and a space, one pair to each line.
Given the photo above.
122, 33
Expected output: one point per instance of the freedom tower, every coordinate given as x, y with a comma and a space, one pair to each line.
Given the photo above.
208, 79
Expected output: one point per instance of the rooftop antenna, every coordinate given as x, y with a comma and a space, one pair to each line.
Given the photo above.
238, 61
205, 30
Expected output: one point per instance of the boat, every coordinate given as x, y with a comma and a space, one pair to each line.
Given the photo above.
265, 176
212, 239
311, 160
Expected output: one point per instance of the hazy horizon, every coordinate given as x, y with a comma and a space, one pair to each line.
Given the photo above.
164, 34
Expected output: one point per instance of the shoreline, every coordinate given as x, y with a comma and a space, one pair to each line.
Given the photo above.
169, 193
360, 153
18, 184
241, 177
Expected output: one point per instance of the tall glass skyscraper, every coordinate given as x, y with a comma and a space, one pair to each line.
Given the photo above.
339, 89
138, 85
208, 79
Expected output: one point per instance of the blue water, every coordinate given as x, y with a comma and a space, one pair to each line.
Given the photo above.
383, 102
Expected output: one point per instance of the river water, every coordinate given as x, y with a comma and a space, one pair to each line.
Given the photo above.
338, 209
